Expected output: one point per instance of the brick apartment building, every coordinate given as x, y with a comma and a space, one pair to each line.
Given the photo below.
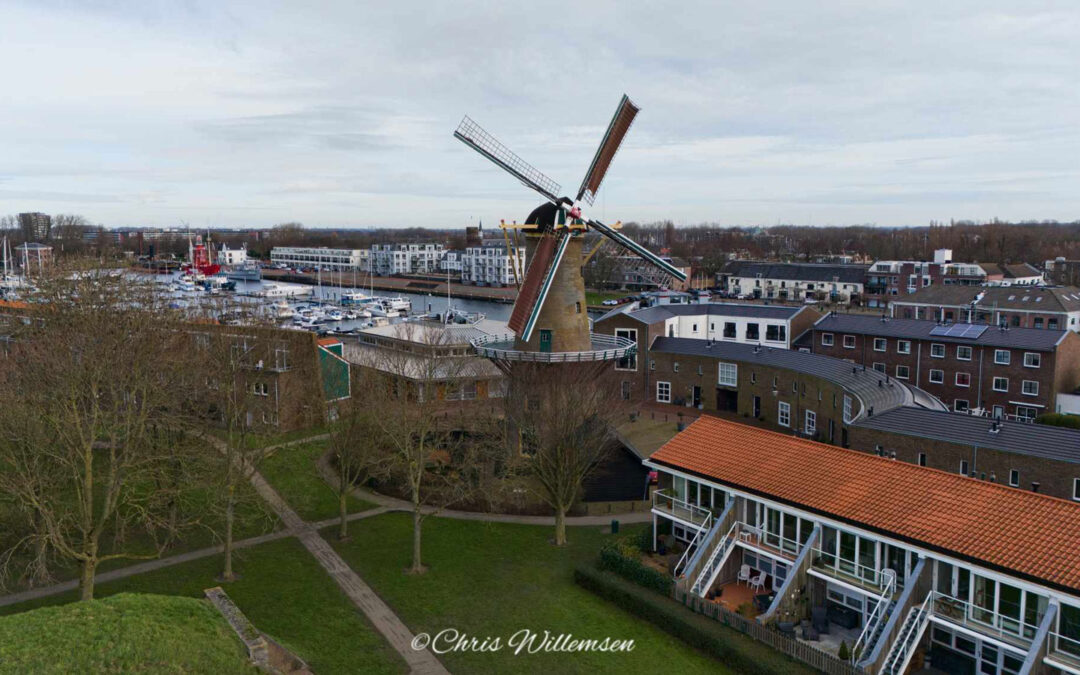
1054, 308
1007, 373
1033, 457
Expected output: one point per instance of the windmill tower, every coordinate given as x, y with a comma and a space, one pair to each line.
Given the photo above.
549, 319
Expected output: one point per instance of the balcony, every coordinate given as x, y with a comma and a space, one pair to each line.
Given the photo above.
1063, 652
1007, 630
867, 579
664, 503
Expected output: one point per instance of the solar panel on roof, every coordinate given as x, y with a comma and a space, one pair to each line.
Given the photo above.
968, 331
940, 330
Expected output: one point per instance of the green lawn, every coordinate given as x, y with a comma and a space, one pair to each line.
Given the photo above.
285, 593
123, 633
597, 297
291, 471
493, 579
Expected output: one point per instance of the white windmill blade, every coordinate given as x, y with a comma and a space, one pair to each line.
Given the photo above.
472, 134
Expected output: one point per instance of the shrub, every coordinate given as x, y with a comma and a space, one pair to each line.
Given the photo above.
614, 557
843, 653
745, 609
739, 652
1059, 420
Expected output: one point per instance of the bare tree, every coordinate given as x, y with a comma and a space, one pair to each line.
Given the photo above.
354, 445
562, 419
95, 376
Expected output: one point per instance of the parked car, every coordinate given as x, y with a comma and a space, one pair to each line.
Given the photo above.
609, 303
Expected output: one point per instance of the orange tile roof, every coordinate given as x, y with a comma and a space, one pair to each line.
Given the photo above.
327, 342
1022, 533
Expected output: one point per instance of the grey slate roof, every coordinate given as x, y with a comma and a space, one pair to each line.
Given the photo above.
1038, 298
871, 387
1036, 339
1036, 440
650, 315
847, 274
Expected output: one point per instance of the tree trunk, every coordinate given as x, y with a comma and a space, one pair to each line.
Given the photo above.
560, 525
417, 565
227, 573
86, 579
343, 511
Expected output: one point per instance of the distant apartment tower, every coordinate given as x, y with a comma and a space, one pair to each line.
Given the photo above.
492, 265
35, 226
389, 259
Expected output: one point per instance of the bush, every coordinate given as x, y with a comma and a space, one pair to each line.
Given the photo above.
843, 653
1059, 420
615, 557
739, 652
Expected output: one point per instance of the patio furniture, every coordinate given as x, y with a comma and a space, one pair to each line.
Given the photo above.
819, 620
843, 616
744, 574
758, 581
762, 601
808, 632
786, 628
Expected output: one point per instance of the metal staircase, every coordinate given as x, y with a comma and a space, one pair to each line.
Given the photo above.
908, 639
875, 623
717, 557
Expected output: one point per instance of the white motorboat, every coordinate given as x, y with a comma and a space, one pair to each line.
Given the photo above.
399, 303
283, 291
282, 310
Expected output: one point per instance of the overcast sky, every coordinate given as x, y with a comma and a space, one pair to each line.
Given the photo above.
144, 112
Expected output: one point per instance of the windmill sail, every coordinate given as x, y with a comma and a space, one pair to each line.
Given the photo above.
638, 249
473, 135
620, 124
553, 268
530, 287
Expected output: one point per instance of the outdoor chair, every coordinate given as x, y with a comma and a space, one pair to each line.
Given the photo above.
819, 620
744, 574
758, 582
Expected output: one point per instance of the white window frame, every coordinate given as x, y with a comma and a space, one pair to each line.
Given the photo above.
1034, 362
964, 467
1014, 478
1076, 489
663, 392
921, 459
827, 340
846, 345
906, 372
630, 334
999, 361
960, 348
956, 379
809, 422
731, 369
933, 347
883, 342
957, 402
997, 379
903, 346
940, 380
879, 367
783, 414
849, 408
1024, 387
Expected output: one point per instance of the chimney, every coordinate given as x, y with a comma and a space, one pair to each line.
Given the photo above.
1034, 486
995, 427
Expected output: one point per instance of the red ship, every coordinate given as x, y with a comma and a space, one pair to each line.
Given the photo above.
200, 258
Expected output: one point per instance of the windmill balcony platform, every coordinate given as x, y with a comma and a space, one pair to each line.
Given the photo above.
603, 348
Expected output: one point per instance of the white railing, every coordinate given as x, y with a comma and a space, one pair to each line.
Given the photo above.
767, 539
980, 620
716, 560
693, 546
602, 348
877, 615
1064, 647
844, 569
902, 649
680, 508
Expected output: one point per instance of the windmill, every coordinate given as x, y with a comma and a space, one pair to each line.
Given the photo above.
550, 312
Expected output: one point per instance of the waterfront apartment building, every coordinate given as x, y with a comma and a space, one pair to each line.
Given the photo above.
909, 566
492, 264
232, 256
1054, 308
1013, 373
794, 281
330, 259
390, 259
890, 279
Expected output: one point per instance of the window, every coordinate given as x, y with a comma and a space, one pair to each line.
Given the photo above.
1014, 478
826, 339
963, 352
728, 375
880, 344
260, 389
1026, 413
903, 346
963, 467
1002, 357
776, 332
903, 372
1038, 322
675, 366
848, 405
783, 414
1030, 388
626, 390
810, 423
879, 367
663, 392
752, 332
652, 364
849, 342
937, 376
1032, 360
963, 379
729, 330
937, 350
1052, 324
922, 459
1076, 489
961, 405
628, 362
694, 329
1001, 384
